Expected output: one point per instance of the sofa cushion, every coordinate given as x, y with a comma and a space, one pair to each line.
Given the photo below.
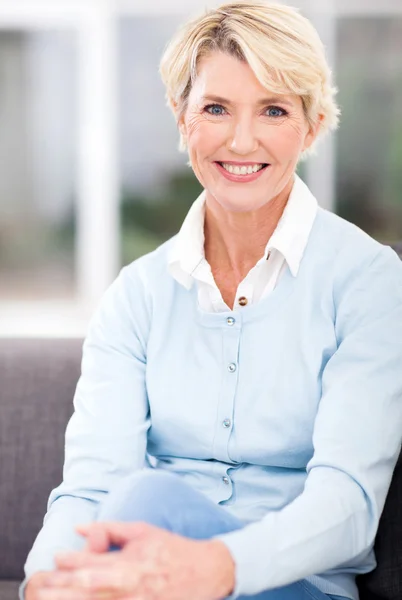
9, 590
385, 582
38, 380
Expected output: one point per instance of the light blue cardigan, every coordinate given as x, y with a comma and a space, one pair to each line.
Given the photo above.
309, 380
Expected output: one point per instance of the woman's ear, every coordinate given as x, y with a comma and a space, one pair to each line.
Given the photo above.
179, 116
182, 126
173, 106
313, 132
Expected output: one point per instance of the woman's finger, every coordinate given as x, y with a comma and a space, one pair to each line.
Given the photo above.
74, 594
79, 594
110, 581
119, 533
76, 560
83, 528
67, 594
96, 536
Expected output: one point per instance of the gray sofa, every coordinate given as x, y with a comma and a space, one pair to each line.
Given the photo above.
37, 384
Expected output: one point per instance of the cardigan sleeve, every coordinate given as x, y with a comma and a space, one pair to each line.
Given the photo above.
106, 436
357, 439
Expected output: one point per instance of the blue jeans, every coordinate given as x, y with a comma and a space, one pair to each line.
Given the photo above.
163, 499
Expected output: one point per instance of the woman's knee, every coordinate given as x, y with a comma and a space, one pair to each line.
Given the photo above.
142, 496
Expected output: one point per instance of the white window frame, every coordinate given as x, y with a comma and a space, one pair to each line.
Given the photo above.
97, 238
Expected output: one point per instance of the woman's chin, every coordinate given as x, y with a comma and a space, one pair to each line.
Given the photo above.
240, 203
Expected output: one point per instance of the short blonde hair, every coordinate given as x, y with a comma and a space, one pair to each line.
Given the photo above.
281, 47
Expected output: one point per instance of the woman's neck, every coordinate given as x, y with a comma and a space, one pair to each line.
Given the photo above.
235, 241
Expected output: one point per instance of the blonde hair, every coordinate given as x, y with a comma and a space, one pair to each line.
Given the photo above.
281, 47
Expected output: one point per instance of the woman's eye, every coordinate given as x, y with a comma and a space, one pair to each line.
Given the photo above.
215, 109
275, 111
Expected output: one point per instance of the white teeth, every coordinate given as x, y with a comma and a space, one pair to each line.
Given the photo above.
242, 170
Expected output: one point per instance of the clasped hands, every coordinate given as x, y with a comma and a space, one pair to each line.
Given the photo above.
151, 564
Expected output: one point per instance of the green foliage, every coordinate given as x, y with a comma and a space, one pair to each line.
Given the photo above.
146, 222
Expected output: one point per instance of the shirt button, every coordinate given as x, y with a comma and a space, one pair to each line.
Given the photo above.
227, 423
232, 367
230, 321
243, 301
225, 480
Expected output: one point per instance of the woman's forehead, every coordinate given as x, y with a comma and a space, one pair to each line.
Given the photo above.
225, 79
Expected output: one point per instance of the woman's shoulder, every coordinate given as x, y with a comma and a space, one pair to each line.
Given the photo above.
151, 268
131, 295
346, 244
340, 234
354, 259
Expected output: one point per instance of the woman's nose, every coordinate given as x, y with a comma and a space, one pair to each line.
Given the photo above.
242, 139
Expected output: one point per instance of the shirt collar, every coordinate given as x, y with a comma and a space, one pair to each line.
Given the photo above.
188, 250
294, 227
289, 238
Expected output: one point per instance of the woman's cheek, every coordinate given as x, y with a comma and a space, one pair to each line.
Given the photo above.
193, 125
199, 148
287, 140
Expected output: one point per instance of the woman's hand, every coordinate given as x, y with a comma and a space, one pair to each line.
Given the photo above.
152, 564
35, 584
36, 589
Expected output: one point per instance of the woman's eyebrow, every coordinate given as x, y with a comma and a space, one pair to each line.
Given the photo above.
262, 102
275, 100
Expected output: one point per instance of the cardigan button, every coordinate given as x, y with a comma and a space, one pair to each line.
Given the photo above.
232, 368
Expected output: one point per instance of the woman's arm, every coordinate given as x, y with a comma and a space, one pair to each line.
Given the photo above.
357, 438
106, 436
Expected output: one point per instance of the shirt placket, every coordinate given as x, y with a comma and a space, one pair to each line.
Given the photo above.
244, 294
208, 292
225, 414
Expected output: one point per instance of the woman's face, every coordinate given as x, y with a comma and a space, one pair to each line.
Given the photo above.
243, 142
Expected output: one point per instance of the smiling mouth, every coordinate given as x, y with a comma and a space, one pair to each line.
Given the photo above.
244, 169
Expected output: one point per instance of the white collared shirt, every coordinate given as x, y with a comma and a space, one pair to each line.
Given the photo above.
187, 263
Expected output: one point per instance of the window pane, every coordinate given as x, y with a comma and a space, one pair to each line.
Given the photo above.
157, 186
369, 143
37, 182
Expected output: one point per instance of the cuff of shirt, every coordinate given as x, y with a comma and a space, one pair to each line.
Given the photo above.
238, 548
21, 591
22, 588
30, 570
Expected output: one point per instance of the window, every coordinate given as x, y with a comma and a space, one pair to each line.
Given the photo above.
369, 146
157, 187
37, 183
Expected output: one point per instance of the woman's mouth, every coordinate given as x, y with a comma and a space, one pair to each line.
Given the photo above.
241, 172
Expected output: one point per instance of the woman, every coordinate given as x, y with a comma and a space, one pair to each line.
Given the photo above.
239, 413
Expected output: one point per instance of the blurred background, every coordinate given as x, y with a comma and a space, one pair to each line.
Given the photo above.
90, 174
